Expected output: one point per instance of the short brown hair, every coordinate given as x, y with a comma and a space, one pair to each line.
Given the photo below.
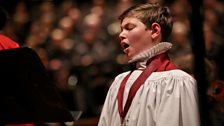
150, 13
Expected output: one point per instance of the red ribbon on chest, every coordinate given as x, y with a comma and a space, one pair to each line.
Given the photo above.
157, 63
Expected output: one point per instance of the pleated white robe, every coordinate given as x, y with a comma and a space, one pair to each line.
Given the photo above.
166, 98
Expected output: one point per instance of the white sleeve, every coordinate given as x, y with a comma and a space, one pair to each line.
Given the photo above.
109, 114
179, 103
105, 113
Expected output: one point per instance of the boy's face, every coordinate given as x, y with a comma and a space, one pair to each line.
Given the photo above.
135, 37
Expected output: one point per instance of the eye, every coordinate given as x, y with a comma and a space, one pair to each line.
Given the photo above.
129, 27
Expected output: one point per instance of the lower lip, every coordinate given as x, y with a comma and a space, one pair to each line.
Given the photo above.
126, 50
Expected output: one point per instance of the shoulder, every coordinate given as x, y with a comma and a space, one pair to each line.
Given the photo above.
117, 80
174, 75
179, 73
174, 81
121, 75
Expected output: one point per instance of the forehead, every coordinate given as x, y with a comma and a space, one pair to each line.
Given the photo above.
130, 20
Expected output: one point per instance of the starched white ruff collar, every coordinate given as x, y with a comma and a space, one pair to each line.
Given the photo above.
157, 49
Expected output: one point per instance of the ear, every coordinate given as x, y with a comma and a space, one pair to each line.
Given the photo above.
155, 31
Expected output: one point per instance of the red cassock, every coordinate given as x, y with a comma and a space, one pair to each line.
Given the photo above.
7, 43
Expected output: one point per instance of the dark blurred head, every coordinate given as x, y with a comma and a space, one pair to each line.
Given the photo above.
3, 18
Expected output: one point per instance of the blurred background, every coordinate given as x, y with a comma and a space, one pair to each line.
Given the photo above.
77, 41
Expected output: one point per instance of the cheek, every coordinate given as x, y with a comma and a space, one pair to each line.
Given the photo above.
135, 36
136, 45
139, 39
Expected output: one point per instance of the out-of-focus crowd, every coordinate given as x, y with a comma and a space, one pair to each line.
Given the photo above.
78, 43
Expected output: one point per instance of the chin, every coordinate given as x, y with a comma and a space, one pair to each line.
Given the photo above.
130, 57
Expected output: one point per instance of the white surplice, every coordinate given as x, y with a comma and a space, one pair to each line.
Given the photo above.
167, 98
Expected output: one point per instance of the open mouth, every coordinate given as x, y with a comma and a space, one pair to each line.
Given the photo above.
124, 45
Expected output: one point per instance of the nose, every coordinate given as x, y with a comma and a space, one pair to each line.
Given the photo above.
122, 35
